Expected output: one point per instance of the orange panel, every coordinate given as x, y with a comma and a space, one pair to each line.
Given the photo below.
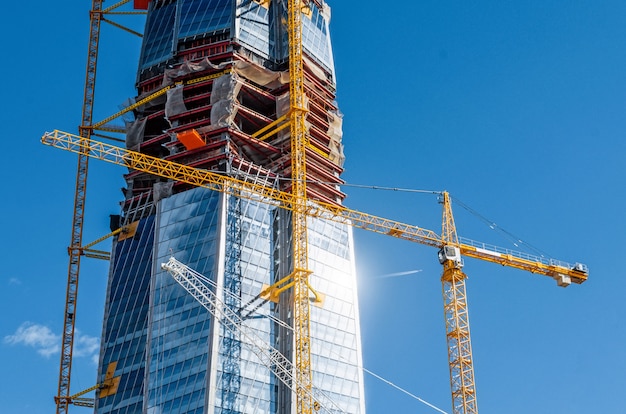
141, 4
191, 139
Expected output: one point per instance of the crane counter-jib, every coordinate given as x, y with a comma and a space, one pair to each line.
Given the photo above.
578, 273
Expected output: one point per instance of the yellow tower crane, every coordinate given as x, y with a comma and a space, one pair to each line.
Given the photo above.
460, 360
451, 249
63, 397
75, 250
300, 271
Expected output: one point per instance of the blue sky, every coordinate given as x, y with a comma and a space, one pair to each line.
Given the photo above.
517, 108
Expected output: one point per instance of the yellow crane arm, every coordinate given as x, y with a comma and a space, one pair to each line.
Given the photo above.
578, 273
101, 125
107, 387
77, 398
564, 273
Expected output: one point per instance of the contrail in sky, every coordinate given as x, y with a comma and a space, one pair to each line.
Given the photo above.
397, 274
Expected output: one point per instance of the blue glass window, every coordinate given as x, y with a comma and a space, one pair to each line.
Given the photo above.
253, 22
315, 38
124, 333
204, 16
159, 35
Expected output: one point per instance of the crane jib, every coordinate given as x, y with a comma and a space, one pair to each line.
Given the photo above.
469, 248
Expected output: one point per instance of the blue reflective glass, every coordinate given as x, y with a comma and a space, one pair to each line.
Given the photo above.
204, 16
179, 334
159, 36
315, 38
253, 23
124, 333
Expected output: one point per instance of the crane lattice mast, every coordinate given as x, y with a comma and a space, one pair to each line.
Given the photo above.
75, 251
300, 271
460, 359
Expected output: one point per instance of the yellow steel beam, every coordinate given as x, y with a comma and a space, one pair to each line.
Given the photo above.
103, 238
273, 292
317, 150
129, 108
274, 124
124, 28
101, 124
115, 6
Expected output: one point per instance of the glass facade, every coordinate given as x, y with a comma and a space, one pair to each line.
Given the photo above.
172, 355
253, 27
191, 363
187, 227
198, 17
158, 43
124, 335
228, 241
316, 37
260, 26
315, 34
335, 333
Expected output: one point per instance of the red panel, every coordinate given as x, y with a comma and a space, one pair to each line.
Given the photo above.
141, 4
191, 139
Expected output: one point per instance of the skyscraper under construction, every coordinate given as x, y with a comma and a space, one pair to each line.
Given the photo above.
223, 67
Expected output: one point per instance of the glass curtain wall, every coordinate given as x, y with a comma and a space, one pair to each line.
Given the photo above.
188, 228
124, 334
197, 364
315, 34
169, 21
335, 330
259, 26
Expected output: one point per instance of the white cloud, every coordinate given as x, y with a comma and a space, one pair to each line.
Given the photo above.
48, 343
85, 345
37, 336
14, 281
